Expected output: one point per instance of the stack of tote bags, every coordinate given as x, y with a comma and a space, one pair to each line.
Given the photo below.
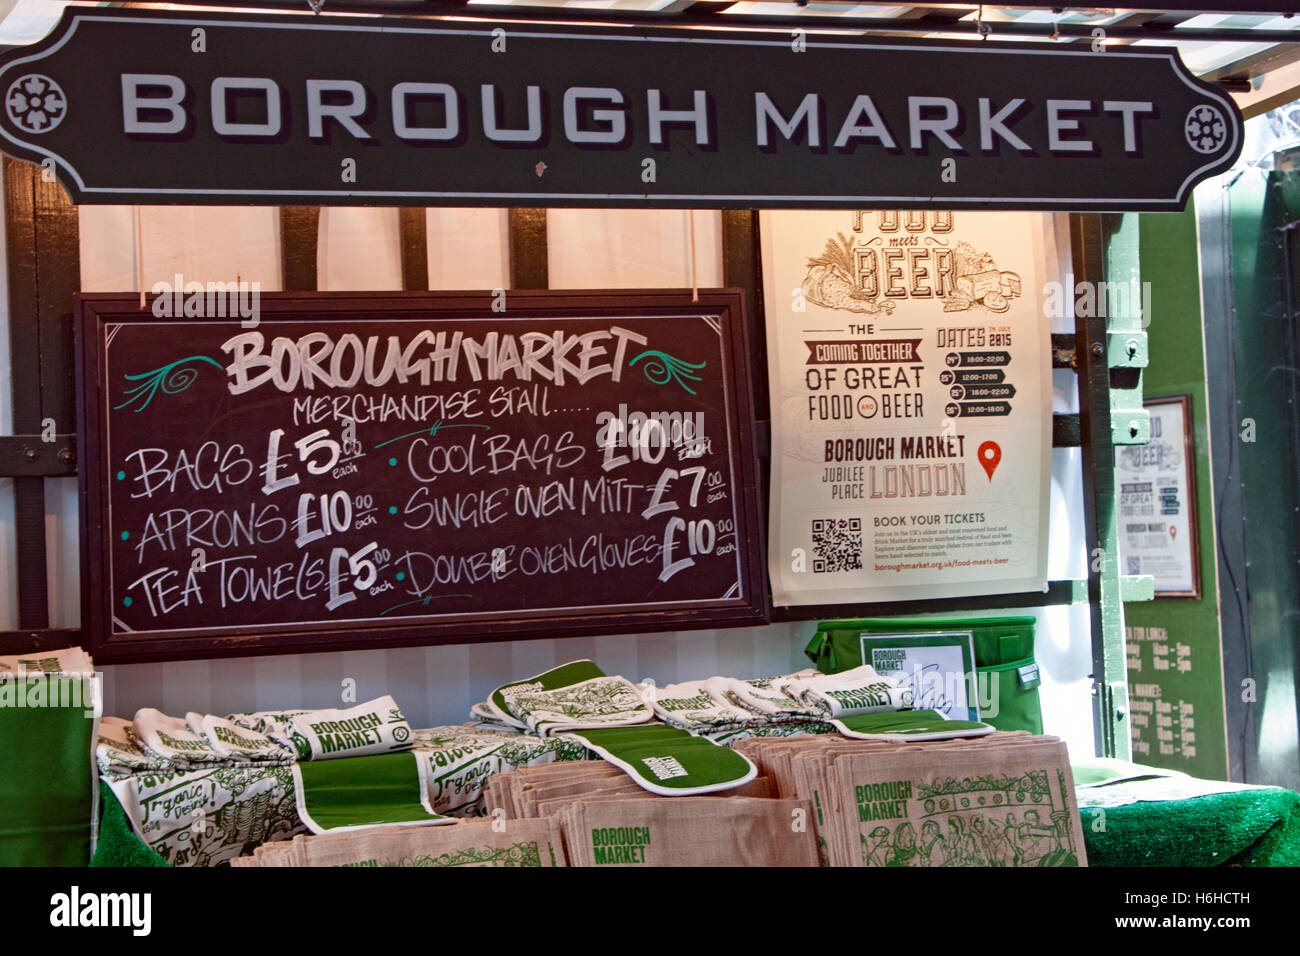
1002, 800
607, 820
461, 843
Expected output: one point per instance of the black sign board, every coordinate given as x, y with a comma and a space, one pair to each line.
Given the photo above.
356, 470
177, 107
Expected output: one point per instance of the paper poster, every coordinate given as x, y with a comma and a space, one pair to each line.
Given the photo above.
1157, 504
910, 371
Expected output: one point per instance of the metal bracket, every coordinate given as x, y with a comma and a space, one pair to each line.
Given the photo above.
1127, 349
1131, 426
30, 456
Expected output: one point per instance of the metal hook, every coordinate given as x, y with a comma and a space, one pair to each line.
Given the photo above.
983, 28
315, 5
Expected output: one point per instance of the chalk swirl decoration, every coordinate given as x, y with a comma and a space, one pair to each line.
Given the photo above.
662, 368
173, 378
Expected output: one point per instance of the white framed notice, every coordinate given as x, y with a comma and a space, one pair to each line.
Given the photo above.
937, 666
1157, 501
910, 381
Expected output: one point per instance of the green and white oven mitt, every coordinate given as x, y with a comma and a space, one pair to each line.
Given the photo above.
573, 696
668, 761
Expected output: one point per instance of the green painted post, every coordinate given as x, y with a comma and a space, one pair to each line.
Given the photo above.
1098, 242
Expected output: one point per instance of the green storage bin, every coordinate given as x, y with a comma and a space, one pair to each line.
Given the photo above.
1004, 654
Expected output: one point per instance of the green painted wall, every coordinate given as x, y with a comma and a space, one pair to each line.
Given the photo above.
1178, 716
1265, 348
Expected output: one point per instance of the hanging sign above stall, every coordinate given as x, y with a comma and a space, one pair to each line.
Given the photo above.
175, 107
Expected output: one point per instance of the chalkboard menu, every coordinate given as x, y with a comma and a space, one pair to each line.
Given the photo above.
326, 471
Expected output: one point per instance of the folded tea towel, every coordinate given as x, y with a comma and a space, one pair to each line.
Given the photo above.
764, 696
267, 722
66, 660
238, 744
375, 727
692, 707
486, 714
171, 739
574, 696
120, 753
862, 690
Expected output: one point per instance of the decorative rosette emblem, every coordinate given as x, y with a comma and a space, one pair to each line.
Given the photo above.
35, 103
1206, 129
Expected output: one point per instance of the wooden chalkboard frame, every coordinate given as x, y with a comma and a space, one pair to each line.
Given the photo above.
94, 310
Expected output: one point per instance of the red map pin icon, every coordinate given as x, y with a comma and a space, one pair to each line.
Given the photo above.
990, 453
1173, 531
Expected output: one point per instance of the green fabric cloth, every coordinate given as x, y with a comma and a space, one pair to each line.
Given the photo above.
1245, 828
362, 791
118, 845
47, 787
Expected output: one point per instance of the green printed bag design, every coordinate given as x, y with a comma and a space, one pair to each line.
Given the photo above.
668, 761
1006, 674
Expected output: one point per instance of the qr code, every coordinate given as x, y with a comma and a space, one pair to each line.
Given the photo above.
837, 544
1134, 565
